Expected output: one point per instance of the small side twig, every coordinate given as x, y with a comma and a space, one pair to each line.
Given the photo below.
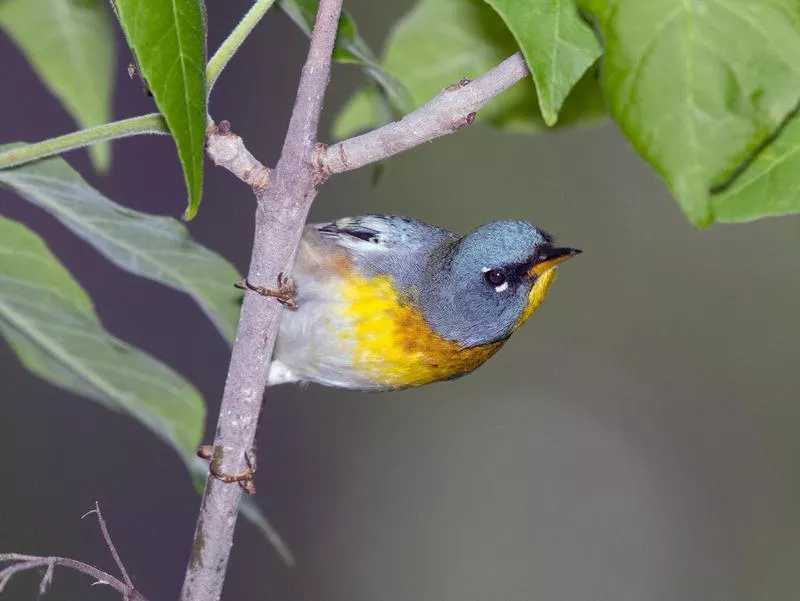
450, 110
107, 537
227, 150
19, 563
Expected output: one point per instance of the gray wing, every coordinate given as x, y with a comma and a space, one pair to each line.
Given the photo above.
371, 233
386, 244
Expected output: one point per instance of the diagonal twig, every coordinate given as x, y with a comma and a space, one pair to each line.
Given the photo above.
21, 563
18, 563
110, 543
450, 110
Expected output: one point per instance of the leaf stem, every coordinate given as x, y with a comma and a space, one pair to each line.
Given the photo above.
232, 43
152, 123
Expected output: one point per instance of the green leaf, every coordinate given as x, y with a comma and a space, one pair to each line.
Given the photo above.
50, 322
443, 41
71, 46
769, 186
169, 41
698, 86
351, 48
556, 43
158, 248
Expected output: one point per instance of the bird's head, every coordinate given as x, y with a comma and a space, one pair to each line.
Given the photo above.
490, 281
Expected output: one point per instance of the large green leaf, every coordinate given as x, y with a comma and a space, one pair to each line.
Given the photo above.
557, 44
168, 38
70, 45
698, 86
158, 248
49, 321
351, 48
770, 185
442, 41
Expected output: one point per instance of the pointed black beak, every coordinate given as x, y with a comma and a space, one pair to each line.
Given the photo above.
548, 257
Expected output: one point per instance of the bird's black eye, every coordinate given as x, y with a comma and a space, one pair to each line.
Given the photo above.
496, 277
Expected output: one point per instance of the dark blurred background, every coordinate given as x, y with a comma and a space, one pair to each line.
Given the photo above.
637, 441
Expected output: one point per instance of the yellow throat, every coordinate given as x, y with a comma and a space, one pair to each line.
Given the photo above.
536, 295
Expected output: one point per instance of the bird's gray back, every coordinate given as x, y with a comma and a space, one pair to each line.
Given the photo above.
390, 245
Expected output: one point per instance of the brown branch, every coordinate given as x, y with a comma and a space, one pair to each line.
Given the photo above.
22, 563
450, 110
453, 108
110, 544
227, 150
280, 216
31, 562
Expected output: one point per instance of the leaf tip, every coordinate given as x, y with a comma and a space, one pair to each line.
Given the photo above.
189, 213
705, 221
550, 117
700, 216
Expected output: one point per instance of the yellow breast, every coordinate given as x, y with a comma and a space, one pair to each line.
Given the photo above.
391, 341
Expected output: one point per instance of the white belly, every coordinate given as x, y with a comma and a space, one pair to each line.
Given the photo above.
310, 347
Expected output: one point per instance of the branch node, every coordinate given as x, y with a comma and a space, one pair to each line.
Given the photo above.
258, 179
47, 579
224, 127
226, 149
319, 170
222, 145
454, 87
470, 118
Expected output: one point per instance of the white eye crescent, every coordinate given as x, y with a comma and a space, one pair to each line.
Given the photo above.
502, 287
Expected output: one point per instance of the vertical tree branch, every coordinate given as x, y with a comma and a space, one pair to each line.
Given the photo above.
280, 215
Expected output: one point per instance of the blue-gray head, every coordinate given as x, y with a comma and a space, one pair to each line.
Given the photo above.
481, 287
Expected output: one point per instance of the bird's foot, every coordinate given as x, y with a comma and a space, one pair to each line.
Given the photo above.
285, 294
245, 479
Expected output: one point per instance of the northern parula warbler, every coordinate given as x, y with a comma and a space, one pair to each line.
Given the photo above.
386, 302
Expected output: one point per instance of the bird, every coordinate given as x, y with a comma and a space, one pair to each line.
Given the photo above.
387, 302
